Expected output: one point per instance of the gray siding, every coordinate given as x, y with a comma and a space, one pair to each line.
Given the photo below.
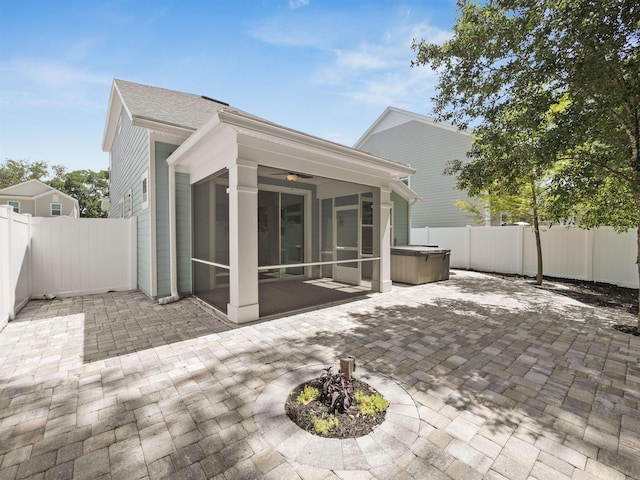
183, 224
427, 148
129, 161
183, 227
400, 220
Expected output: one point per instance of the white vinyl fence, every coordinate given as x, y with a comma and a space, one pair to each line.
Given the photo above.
599, 255
62, 256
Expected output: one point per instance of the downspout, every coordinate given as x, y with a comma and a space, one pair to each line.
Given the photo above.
173, 266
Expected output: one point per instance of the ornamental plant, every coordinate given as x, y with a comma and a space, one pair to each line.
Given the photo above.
371, 404
337, 391
308, 395
321, 426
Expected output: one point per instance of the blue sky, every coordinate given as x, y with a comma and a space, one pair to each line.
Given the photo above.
328, 68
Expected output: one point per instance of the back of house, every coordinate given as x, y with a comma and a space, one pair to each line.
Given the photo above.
427, 146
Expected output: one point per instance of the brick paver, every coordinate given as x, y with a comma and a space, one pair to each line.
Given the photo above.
506, 381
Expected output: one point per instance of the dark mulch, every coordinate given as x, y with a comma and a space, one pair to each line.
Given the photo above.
628, 329
352, 423
604, 295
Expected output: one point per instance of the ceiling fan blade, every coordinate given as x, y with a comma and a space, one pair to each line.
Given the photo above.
299, 175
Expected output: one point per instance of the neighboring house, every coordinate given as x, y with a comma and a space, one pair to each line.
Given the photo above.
427, 146
39, 200
225, 200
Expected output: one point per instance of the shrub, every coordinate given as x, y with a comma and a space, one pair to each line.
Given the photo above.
308, 395
336, 390
322, 427
370, 404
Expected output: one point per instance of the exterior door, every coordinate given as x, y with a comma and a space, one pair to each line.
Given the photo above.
346, 241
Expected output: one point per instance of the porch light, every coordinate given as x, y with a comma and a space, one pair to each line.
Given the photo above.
292, 177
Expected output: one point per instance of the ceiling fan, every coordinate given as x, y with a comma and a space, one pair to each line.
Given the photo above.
293, 176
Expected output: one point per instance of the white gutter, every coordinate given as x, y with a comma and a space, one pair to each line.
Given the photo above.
173, 266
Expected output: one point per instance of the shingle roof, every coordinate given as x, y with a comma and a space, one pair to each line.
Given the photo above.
167, 106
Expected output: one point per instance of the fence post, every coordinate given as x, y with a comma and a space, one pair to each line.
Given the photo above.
133, 253
5, 262
468, 247
588, 255
520, 250
11, 290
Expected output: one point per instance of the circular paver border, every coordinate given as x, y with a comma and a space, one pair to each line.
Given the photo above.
391, 439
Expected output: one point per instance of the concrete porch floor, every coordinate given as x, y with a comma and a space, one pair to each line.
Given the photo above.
292, 295
507, 381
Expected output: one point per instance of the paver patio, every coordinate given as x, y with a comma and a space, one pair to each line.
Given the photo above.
508, 382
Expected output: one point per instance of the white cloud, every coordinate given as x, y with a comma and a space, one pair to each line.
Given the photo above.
46, 83
298, 3
378, 72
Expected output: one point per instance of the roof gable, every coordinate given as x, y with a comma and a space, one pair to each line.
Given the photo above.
30, 188
146, 105
33, 190
393, 117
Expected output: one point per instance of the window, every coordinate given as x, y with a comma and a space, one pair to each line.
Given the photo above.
15, 205
405, 180
56, 209
144, 186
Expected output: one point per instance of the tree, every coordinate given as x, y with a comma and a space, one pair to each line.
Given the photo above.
510, 168
529, 56
18, 171
86, 186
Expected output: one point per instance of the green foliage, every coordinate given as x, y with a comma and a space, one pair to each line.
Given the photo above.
322, 427
370, 404
13, 172
552, 89
567, 72
86, 186
308, 395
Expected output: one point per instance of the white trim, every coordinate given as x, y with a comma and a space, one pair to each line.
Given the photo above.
121, 208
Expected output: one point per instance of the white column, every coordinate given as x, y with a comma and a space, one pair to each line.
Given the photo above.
243, 242
382, 239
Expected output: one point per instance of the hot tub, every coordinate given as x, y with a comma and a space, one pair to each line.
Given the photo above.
415, 264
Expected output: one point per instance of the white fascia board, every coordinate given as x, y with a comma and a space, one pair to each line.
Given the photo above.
307, 142
192, 141
372, 128
405, 192
113, 113
161, 127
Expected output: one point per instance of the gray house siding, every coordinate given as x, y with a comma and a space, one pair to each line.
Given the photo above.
427, 148
400, 220
129, 161
183, 224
